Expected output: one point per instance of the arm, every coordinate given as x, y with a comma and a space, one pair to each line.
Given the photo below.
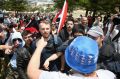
62, 63
3, 47
33, 70
54, 56
51, 58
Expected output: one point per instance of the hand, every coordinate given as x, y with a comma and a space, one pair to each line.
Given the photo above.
8, 51
46, 65
41, 43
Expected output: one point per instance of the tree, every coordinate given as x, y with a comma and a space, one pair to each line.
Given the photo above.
2, 4
34, 9
71, 3
102, 6
18, 5
14, 5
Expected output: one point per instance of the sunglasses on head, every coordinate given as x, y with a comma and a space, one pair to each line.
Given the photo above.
17, 39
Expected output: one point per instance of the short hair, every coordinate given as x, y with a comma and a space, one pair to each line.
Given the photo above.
24, 51
70, 19
84, 18
11, 25
45, 22
76, 20
26, 32
80, 30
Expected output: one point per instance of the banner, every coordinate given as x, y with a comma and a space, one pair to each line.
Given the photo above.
63, 16
56, 16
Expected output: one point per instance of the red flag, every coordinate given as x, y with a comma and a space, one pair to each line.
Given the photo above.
63, 16
56, 16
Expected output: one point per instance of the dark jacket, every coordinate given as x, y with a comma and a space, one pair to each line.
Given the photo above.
23, 57
48, 50
109, 58
64, 35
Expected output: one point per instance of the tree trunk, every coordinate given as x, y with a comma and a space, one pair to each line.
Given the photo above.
86, 14
93, 16
94, 12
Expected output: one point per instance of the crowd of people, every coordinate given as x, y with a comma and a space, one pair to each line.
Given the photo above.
85, 48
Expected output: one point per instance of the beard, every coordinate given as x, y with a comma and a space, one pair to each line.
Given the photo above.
45, 35
69, 29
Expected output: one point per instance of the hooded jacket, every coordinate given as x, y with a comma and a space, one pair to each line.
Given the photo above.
17, 35
22, 56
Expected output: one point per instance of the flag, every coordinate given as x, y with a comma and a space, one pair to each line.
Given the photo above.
56, 16
63, 16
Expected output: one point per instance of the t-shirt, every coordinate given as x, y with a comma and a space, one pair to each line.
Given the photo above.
102, 74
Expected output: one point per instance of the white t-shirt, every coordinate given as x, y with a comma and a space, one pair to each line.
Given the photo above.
102, 74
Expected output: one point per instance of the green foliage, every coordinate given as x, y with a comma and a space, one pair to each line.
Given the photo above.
18, 5
34, 9
100, 5
90, 5
71, 3
14, 5
41, 9
2, 2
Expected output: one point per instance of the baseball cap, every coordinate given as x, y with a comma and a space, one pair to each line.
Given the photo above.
95, 31
82, 54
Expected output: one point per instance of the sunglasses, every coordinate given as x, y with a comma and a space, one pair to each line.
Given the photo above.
17, 39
